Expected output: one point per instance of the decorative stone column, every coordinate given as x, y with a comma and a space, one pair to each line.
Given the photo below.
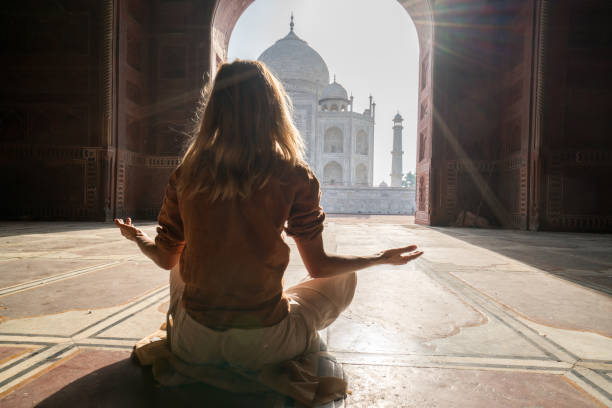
397, 153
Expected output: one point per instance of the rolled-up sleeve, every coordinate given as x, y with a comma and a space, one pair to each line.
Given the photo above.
170, 235
306, 215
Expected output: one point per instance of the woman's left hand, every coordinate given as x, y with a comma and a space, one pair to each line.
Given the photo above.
128, 230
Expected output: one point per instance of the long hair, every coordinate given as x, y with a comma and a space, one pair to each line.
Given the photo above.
244, 135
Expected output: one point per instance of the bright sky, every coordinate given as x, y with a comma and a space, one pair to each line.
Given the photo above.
371, 46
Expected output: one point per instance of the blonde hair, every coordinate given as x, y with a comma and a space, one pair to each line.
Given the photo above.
244, 136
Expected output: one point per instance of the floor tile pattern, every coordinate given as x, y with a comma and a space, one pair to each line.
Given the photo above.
485, 318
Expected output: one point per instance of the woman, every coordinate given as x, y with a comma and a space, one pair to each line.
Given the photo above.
242, 184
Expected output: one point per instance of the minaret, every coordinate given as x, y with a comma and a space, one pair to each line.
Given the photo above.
397, 153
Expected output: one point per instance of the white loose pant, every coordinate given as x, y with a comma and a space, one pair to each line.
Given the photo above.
314, 305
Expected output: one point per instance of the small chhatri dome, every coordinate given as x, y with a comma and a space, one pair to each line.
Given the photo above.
398, 118
292, 58
334, 91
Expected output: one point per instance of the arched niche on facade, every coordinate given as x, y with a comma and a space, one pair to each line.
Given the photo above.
333, 141
421, 147
361, 143
332, 173
421, 197
361, 174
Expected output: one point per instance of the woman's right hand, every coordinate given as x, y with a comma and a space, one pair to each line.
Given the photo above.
398, 256
322, 265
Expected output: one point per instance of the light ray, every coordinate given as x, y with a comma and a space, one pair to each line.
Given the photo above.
481, 184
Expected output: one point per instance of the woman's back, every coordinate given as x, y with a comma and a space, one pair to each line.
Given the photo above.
235, 255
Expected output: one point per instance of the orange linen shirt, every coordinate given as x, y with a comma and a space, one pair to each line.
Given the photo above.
233, 255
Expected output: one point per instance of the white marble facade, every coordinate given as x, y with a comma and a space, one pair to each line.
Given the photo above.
368, 200
339, 141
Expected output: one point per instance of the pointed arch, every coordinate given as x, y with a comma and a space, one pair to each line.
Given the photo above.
333, 141
362, 145
333, 174
361, 174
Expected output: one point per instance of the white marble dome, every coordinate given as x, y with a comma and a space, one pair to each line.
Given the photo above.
334, 91
291, 58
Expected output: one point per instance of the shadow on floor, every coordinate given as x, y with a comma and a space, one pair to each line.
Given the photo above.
16, 228
125, 384
582, 258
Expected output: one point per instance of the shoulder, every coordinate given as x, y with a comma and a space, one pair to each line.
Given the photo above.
297, 177
302, 173
305, 184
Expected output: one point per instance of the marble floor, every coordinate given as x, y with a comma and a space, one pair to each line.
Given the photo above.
486, 318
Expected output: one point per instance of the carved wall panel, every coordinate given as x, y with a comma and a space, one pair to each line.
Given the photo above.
425, 119
141, 183
52, 181
515, 76
451, 188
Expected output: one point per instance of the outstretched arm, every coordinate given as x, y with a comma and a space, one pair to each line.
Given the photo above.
323, 265
162, 258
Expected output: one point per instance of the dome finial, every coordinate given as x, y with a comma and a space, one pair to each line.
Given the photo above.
291, 24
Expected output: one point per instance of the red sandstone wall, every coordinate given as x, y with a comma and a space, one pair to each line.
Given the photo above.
510, 178
165, 52
522, 96
96, 99
54, 139
576, 147
133, 102
97, 96
467, 109
422, 15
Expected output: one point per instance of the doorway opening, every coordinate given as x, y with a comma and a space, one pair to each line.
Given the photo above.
349, 150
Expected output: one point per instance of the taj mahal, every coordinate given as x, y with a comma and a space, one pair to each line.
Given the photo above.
339, 141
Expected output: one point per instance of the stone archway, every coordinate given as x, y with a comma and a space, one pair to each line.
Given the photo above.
480, 78
333, 174
361, 174
514, 129
227, 13
333, 140
362, 143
